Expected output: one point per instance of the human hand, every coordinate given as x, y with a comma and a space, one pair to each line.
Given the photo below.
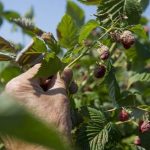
50, 104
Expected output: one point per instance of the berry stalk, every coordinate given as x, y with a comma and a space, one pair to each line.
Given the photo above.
87, 49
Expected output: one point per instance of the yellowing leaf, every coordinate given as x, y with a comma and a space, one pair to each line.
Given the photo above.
5, 45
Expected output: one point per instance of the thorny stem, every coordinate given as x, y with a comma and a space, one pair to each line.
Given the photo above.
87, 49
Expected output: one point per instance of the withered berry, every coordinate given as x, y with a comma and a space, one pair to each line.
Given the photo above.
104, 52
73, 88
100, 71
127, 39
115, 35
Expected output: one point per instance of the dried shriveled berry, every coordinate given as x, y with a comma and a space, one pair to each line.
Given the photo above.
123, 115
88, 43
100, 71
104, 52
73, 88
115, 35
144, 126
127, 39
137, 141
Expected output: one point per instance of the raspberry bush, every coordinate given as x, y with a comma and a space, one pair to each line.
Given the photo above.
110, 58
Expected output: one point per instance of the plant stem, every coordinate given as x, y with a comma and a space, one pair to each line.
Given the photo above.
30, 53
78, 58
128, 121
87, 49
110, 110
112, 48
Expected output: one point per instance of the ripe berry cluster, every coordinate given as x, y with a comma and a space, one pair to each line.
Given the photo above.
144, 126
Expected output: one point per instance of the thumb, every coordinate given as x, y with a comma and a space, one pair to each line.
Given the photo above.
67, 76
31, 72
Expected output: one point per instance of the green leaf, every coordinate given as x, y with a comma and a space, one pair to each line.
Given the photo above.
87, 29
144, 21
145, 139
9, 73
75, 12
114, 90
10, 15
139, 77
51, 42
144, 108
18, 122
90, 2
137, 113
30, 13
6, 56
111, 9
51, 64
3, 65
139, 148
28, 27
139, 31
133, 11
138, 55
145, 4
39, 45
97, 133
127, 99
67, 32
71, 54
5, 45
32, 52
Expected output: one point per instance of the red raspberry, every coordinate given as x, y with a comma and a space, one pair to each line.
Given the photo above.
100, 71
144, 126
123, 115
137, 141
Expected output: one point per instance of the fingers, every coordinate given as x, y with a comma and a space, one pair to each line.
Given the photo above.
63, 80
67, 76
57, 81
31, 72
